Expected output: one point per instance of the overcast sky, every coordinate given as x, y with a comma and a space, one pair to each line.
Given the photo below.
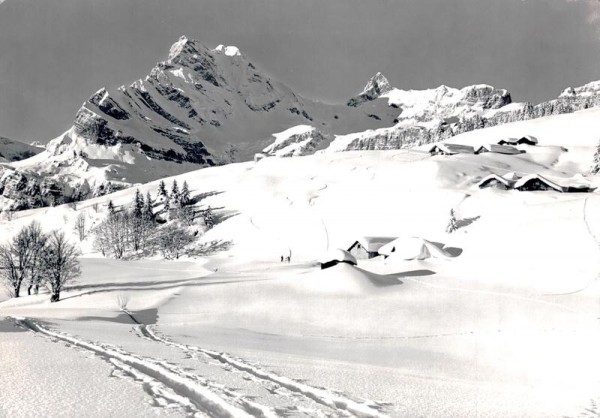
55, 53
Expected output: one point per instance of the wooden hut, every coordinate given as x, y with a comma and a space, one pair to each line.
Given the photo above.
524, 140
335, 257
500, 182
498, 149
535, 182
450, 149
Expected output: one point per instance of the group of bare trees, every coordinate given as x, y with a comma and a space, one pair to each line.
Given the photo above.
137, 229
128, 229
34, 258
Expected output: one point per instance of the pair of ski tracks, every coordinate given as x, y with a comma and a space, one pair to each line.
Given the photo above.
171, 386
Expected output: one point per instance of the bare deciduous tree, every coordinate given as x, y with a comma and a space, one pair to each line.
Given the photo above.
80, 226
113, 235
9, 270
172, 240
60, 263
20, 259
15, 258
37, 241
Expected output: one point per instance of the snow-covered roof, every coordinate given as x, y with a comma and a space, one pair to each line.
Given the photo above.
520, 183
530, 138
507, 182
519, 140
338, 255
499, 149
511, 175
513, 181
453, 148
413, 248
373, 244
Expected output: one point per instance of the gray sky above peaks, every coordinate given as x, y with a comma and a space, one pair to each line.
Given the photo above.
55, 53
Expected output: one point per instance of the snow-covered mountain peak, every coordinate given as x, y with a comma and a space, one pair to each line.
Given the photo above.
377, 86
587, 90
230, 51
187, 52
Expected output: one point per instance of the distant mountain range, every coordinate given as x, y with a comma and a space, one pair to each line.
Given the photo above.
204, 107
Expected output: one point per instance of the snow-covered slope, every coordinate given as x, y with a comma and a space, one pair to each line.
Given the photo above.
11, 150
501, 320
296, 141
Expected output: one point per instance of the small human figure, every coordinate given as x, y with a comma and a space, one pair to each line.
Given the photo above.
282, 259
288, 258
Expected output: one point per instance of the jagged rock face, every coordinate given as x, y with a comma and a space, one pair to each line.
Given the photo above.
15, 151
296, 141
419, 106
29, 190
442, 113
189, 106
486, 97
200, 107
375, 88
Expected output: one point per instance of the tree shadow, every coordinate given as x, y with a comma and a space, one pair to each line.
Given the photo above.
223, 215
460, 223
9, 326
174, 285
146, 317
415, 273
394, 279
209, 248
197, 198
138, 285
387, 280
453, 251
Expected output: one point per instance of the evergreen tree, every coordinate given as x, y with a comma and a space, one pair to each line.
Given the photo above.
148, 213
162, 190
138, 204
596, 164
453, 223
111, 208
167, 204
184, 198
175, 196
209, 218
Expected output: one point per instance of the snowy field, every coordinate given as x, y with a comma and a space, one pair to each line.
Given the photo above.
502, 322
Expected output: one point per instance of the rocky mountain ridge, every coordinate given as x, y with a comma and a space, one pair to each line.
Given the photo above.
429, 116
202, 107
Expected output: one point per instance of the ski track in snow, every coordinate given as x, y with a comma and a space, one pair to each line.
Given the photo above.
493, 293
594, 237
596, 240
340, 404
166, 383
